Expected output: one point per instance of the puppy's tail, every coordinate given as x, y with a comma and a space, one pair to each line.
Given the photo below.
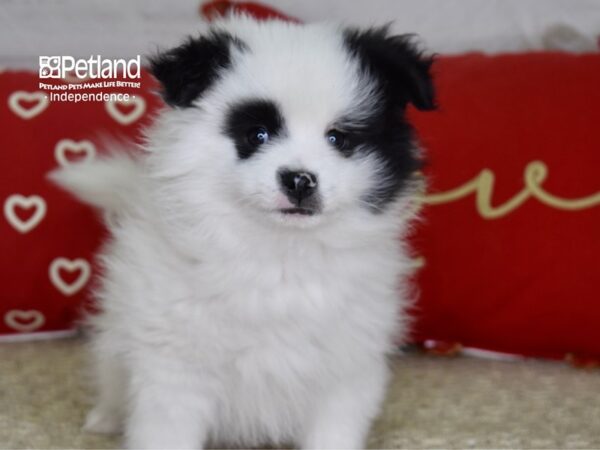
109, 183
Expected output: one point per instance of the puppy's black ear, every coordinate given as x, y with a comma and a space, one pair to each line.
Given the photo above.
403, 71
185, 72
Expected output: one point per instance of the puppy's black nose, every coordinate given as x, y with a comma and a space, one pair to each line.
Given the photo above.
297, 185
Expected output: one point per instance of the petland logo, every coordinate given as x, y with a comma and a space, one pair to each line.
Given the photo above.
93, 79
92, 68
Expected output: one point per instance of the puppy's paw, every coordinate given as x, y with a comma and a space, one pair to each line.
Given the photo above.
102, 421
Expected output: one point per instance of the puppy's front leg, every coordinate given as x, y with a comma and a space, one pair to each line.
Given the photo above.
168, 409
342, 418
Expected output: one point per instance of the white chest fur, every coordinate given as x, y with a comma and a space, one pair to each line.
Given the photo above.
263, 329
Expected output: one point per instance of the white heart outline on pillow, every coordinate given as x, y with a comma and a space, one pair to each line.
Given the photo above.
28, 113
24, 226
84, 146
70, 265
13, 317
130, 117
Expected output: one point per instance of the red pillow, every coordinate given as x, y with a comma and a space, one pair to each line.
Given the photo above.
47, 238
510, 239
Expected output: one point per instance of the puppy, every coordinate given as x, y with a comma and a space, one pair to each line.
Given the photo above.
256, 276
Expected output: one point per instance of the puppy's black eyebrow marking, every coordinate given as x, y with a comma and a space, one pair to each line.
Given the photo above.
247, 114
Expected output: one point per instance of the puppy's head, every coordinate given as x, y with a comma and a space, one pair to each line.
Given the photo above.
296, 124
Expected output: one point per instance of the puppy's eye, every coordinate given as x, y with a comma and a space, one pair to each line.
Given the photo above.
258, 136
336, 138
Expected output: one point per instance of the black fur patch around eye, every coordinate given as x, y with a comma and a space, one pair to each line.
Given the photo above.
402, 75
247, 115
185, 72
391, 138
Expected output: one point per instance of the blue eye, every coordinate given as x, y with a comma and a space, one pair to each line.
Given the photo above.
336, 138
258, 136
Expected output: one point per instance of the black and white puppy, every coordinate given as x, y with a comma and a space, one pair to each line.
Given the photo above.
256, 278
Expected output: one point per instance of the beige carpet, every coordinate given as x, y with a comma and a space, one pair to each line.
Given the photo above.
432, 403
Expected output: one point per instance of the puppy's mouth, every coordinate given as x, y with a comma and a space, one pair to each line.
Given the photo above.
297, 211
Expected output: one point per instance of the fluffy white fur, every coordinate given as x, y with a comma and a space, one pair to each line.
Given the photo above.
223, 320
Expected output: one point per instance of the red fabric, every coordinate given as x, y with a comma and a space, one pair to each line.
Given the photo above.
526, 282
220, 8
47, 238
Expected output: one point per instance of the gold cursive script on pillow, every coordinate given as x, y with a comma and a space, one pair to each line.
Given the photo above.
483, 186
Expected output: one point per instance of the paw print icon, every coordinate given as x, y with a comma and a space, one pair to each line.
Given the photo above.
49, 67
